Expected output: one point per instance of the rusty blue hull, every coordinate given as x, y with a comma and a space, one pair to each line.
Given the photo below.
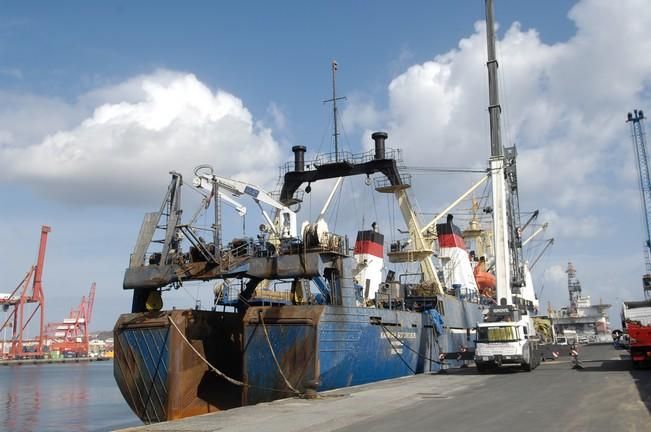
326, 347
317, 348
159, 374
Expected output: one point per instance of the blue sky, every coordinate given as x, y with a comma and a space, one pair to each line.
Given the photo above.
100, 101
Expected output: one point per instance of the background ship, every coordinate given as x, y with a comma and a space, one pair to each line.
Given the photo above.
587, 321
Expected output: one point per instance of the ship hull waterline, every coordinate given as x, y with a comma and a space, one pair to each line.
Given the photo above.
317, 347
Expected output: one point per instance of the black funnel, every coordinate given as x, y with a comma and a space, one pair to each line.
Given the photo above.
379, 138
299, 158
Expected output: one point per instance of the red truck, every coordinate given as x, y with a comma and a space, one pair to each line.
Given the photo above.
636, 319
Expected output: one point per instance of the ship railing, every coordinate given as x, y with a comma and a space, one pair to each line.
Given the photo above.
385, 183
298, 196
341, 157
234, 256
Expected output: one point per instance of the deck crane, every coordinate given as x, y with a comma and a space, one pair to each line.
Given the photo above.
639, 142
285, 225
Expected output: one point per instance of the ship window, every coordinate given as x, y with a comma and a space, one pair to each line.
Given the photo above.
497, 334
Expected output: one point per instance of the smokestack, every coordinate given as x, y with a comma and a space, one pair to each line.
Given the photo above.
299, 158
379, 138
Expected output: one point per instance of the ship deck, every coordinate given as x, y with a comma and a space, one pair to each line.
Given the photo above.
606, 395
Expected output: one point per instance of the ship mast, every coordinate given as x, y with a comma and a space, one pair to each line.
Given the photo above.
500, 228
334, 100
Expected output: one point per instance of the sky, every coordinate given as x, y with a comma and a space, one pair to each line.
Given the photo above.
101, 101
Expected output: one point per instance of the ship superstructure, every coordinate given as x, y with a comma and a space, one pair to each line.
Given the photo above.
589, 321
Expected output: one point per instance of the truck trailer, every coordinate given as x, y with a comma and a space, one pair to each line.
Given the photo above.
636, 320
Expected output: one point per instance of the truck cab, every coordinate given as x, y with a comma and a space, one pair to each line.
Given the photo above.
506, 338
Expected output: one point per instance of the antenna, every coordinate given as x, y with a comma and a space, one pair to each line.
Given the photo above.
334, 107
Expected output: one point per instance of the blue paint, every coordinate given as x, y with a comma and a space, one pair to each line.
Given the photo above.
317, 346
150, 351
350, 347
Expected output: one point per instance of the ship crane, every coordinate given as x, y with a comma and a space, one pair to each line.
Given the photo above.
287, 218
639, 142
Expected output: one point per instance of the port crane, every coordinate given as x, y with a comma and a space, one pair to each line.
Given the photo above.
71, 335
14, 304
638, 135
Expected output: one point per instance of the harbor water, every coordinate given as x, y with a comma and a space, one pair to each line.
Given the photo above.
62, 397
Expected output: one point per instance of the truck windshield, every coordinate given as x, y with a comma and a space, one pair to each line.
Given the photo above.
497, 334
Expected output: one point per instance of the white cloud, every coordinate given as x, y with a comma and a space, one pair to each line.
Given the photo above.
571, 227
138, 131
564, 106
278, 117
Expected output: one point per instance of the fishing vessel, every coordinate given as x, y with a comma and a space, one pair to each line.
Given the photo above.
342, 322
346, 316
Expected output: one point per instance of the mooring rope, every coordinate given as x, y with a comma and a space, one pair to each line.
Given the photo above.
273, 354
213, 368
217, 371
396, 350
424, 357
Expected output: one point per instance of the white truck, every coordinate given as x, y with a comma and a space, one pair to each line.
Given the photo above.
507, 337
571, 337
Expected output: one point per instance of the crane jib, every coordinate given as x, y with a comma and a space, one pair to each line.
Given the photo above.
251, 191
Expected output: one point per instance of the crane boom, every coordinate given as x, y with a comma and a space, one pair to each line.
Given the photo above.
238, 188
639, 142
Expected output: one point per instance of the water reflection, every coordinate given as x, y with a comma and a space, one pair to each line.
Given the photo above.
23, 399
72, 397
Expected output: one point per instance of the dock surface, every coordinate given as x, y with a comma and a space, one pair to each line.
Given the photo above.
606, 395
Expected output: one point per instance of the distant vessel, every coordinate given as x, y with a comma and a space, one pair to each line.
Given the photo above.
588, 321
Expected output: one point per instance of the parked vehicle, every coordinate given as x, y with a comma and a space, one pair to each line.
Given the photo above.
507, 337
636, 318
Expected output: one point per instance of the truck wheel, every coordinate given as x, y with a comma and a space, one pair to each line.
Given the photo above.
482, 368
527, 364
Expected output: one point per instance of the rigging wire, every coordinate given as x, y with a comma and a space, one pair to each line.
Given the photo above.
445, 170
373, 198
341, 188
505, 94
325, 131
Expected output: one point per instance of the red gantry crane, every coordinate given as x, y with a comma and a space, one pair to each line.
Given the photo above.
19, 316
70, 337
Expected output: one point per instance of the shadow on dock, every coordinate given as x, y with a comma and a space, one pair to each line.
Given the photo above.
641, 377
